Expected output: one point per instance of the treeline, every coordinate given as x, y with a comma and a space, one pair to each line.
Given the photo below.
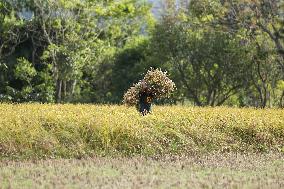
218, 52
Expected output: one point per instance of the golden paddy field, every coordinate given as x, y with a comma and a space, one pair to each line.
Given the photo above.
36, 131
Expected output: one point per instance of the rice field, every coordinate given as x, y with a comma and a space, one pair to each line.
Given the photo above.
111, 146
39, 131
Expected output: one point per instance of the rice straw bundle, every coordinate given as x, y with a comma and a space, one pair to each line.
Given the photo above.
156, 80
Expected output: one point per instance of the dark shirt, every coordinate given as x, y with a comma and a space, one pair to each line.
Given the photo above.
145, 100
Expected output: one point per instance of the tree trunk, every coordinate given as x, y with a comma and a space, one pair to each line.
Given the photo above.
58, 90
264, 100
64, 90
73, 86
264, 94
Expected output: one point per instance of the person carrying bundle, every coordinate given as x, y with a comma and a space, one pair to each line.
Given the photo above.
154, 85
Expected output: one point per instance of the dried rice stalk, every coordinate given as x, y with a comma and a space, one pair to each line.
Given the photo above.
157, 81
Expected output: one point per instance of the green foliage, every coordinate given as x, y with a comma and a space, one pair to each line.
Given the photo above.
72, 38
91, 51
215, 55
128, 67
208, 65
24, 70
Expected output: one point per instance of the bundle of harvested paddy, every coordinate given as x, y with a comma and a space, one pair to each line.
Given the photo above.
156, 80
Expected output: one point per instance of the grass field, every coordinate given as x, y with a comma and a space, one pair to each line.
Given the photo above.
207, 171
100, 146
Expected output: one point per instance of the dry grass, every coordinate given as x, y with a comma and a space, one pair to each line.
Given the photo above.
227, 170
50, 131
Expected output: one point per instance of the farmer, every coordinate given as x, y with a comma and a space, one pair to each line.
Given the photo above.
145, 99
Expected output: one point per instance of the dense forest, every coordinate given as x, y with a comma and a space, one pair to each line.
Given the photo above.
218, 52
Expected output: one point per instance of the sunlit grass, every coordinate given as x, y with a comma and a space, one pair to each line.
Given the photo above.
47, 131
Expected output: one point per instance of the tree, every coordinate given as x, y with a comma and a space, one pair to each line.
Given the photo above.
257, 16
210, 65
261, 19
264, 76
66, 41
259, 24
127, 28
129, 67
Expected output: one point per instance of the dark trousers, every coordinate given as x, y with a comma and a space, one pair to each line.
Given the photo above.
144, 108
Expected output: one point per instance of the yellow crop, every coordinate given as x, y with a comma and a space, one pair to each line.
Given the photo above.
39, 131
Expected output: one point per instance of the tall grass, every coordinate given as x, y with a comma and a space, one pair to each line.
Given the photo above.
47, 131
